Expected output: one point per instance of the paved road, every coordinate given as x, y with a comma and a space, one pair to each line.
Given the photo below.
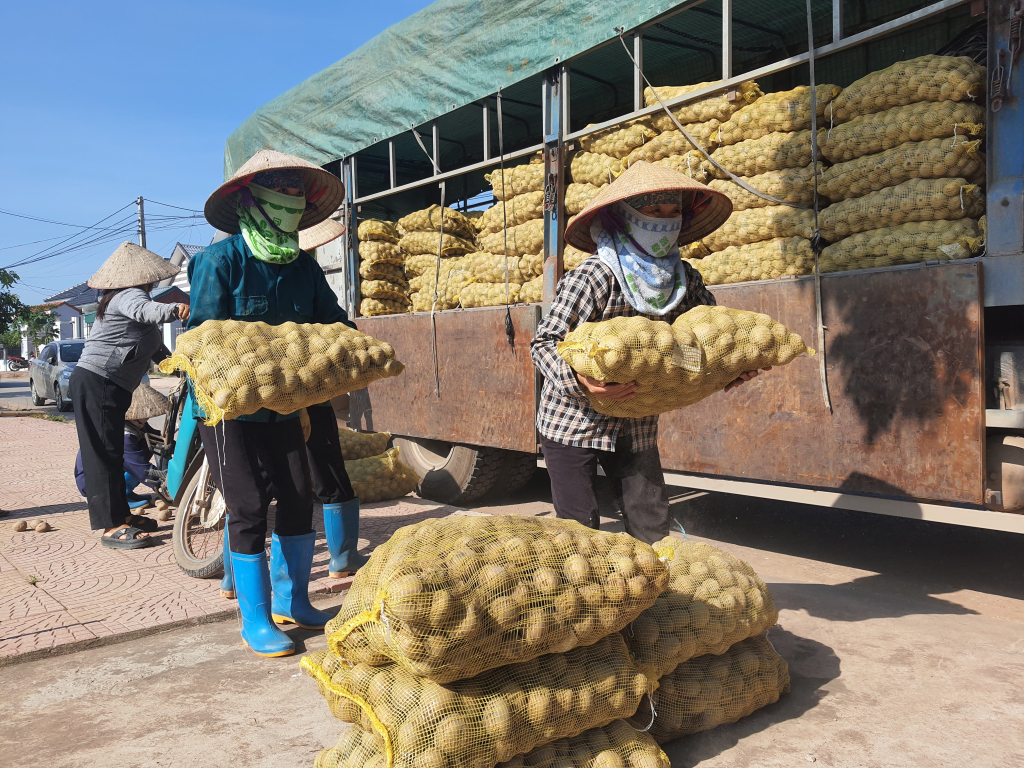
15, 394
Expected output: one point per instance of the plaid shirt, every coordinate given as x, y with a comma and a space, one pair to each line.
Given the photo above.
586, 294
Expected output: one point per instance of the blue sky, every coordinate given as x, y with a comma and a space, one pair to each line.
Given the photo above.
104, 101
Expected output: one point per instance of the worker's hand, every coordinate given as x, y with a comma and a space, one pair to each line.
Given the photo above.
744, 377
183, 312
307, 427
608, 391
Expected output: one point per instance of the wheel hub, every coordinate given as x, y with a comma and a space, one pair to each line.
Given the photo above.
433, 454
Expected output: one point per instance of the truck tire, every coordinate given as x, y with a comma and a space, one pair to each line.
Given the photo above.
451, 473
517, 470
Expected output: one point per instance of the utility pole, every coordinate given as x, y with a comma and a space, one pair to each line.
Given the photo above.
142, 222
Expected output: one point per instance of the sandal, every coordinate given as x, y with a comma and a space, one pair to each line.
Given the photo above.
147, 524
125, 539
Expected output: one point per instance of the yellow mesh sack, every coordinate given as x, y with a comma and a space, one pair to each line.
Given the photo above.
487, 719
524, 239
532, 265
427, 242
667, 144
532, 291
383, 270
577, 196
765, 260
490, 268
517, 210
520, 180
756, 224
772, 152
695, 250
454, 277
374, 251
926, 78
914, 200
906, 244
713, 601
692, 164
717, 107
453, 597
237, 368
676, 365
594, 168
783, 111
877, 132
382, 477
572, 257
474, 218
375, 229
430, 219
382, 289
372, 307
712, 690
424, 263
359, 445
489, 294
705, 134
794, 185
933, 159
618, 142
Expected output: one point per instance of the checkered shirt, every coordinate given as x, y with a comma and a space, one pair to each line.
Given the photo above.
586, 294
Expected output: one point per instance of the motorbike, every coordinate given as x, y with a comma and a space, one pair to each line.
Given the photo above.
16, 364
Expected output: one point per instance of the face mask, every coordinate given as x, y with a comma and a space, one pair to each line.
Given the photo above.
270, 233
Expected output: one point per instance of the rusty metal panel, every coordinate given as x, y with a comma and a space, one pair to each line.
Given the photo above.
487, 393
906, 376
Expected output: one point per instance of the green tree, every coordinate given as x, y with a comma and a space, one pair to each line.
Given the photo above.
39, 325
11, 307
11, 339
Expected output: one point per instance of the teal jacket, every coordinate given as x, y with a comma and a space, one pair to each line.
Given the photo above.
229, 283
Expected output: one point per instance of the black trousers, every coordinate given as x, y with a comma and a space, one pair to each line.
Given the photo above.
637, 483
326, 464
253, 463
100, 406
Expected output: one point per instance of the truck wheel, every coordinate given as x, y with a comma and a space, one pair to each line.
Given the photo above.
36, 399
517, 470
450, 473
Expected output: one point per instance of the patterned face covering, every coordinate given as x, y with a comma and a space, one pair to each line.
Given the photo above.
269, 222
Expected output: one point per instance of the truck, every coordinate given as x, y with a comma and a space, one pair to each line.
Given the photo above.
916, 408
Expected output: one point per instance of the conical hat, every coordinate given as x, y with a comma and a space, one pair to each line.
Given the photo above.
146, 403
324, 191
643, 178
131, 265
321, 234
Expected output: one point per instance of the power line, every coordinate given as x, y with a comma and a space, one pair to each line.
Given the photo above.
50, 251
168, 205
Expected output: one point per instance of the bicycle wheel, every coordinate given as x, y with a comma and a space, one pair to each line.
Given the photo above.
198, 535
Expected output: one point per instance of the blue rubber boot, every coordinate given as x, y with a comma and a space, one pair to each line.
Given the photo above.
135, 501
341, 525
227, 584
252, 580
291, 558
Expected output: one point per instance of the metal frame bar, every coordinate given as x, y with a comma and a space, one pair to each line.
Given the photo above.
727, 39
392, 165
638, 77
837, 20
487, 129
554, 183
351, 222
435, 131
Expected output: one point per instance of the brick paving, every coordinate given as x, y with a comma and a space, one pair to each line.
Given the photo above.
62, 587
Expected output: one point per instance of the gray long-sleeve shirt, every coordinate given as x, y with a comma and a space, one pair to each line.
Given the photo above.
121, 345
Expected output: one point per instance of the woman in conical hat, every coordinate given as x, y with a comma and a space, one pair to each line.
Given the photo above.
119, 350
262, 274
634, 228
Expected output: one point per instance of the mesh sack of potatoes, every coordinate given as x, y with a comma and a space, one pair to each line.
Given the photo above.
415, 243
756, 224
667, 144
532, 291
794, 185
452, 597
782, 111
712, 690
695, 250
906, 244
372, 307
577, 196
377, 230
516, 210
704, 134
430, 220
572, 257
490, 268
489, 294
487, 719
520, 179
474, 219
932, 159
374, 251
381, 477
594, 168
772, 152
713, 601
676, 365
521, 240
721, 106
236, 368
383, 270
914, 200
618, 142
765, 260
926, 78
877, 132
425, 263
359, 445
693, 164
532, 265
382, 289
454, 277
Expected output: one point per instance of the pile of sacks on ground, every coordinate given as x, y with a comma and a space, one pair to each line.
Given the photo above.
513, 641
376, 471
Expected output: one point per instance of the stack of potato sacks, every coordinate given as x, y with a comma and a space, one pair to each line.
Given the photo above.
376, 471
512, 641
907, 181
422, 241
383, 287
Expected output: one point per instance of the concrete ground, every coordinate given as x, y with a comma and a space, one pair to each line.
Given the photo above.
15, 395
904, 639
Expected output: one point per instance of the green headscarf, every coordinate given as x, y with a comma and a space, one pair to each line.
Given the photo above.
277, 242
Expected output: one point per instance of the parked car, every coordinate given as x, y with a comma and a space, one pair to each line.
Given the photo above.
49, 372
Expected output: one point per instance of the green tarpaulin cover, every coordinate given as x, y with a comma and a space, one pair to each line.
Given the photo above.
448, 55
